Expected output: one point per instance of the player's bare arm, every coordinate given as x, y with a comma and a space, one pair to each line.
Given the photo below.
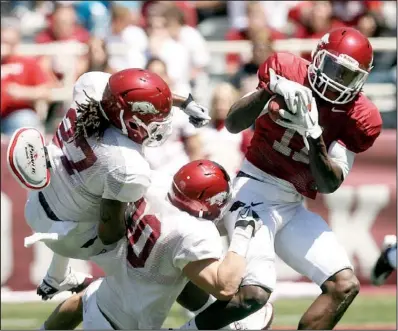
111, 228
244, 112
178, 100
222, 278
327, 174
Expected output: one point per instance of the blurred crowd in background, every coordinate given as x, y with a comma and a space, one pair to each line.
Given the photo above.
170, 38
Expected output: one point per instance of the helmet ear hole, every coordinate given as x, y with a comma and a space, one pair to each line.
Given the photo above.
133, 125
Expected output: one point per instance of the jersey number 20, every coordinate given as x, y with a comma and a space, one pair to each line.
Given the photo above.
142, 233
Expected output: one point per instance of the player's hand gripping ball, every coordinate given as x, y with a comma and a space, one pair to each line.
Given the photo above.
275, 105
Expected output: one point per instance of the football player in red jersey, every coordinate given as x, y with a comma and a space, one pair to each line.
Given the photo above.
307, 151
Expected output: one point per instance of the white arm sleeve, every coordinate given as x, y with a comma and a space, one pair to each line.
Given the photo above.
124, 186
126, 174
343, 157
202, 241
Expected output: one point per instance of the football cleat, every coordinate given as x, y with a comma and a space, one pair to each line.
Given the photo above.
28, 159
382, 269
74, 282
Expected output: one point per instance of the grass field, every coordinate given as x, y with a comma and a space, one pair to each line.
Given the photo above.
373, 312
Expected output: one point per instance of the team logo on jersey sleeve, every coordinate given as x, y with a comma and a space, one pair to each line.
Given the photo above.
143, 107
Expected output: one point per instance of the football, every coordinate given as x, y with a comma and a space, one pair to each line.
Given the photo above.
274, 105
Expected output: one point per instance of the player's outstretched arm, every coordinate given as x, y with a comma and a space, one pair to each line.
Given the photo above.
198, 115
112, 227
222, 278
244, 112
178, 100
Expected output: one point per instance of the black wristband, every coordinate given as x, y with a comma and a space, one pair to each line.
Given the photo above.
187, 101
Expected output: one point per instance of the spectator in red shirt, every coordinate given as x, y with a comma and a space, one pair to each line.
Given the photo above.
63, 27
317, 21
300, 12
23, 83
256, 21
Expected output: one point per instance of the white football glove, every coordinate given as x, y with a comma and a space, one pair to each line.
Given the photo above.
289, 90
248, 217
305, 122
198, 115
74, 282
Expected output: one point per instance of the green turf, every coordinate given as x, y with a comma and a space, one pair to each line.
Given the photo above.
366, 310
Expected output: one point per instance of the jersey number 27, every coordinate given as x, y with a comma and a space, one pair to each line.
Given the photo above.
64, 134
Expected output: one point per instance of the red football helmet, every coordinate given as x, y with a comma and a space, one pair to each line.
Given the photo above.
202, 188
340, 65
138, 102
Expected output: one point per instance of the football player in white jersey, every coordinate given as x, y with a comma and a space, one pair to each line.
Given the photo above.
96, 165
171, 238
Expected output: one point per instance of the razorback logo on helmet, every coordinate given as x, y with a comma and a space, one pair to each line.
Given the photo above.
322, 42
218, 199
143, 107
325, 39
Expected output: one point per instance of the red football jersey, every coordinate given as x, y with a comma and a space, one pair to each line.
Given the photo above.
280, 152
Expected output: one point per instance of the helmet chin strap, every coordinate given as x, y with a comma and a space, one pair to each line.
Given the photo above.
150, 135
141, 123
124, 128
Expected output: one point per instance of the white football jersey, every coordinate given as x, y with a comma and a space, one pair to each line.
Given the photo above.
86, 170
144, 273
